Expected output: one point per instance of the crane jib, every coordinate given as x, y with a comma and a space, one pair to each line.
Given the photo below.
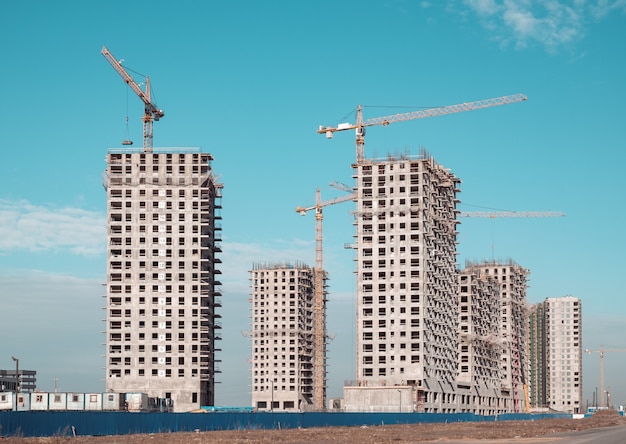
151, 112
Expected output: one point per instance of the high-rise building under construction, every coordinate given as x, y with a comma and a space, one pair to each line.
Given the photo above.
282, 336
480, 345
162, 294
511, 282
407, 309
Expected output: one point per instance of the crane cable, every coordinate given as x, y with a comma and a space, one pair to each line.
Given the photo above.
127, 141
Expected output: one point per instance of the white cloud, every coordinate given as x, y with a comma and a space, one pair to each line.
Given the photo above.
483, 7
551, 23
602, 8
24, 226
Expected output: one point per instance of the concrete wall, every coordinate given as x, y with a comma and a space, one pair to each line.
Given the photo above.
379, 399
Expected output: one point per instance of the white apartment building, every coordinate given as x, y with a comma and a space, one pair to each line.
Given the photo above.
407, 305
282, 336
564, 360
162, 294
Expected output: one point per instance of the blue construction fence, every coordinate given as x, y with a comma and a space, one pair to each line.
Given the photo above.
67, 423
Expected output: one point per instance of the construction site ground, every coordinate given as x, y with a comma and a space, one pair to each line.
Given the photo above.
407, 433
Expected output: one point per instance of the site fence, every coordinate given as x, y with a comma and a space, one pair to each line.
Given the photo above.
67, 423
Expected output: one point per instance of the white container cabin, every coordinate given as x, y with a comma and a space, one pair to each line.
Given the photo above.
93, 401
136, 402
6, 400
22, 402
113, 401
57, 401
39, 401
76, 401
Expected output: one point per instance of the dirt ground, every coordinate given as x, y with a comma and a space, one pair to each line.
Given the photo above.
397, 434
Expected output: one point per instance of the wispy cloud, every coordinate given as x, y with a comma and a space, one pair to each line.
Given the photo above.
238, 258
551, 23
24, 226
483, 7
601, 8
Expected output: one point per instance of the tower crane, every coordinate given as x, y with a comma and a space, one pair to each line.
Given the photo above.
151, 112
603, 350
361, 124
319, 358
494, 214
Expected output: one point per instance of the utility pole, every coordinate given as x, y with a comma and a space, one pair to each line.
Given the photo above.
17, 374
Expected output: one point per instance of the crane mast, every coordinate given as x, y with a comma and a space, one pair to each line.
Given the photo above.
601, 351
361, 124
151, 112
319, 308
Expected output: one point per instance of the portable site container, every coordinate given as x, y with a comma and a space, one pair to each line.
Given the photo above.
39, 401
22, 402
57, 401
136, 402
93, 401
76, 401
6, 400
113, 401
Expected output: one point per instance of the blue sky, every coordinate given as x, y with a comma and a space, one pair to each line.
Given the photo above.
250, 82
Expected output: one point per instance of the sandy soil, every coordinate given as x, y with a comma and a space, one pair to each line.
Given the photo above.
396, 434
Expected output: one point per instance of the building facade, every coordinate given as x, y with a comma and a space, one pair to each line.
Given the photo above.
162, 295
564, 358
480, 344
512, 280
555, 350
282, 336
26, 380
538, 355
407, 309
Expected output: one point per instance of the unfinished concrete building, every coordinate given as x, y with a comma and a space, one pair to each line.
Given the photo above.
537, 355
555, 351
512, 280
282, 336
407, 308
162, 294
479, 377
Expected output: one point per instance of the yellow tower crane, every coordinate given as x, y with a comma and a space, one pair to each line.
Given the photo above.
319, 306
360, 124
602, 351
151, 112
